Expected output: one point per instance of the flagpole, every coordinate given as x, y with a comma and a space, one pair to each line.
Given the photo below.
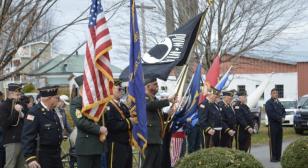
179, 87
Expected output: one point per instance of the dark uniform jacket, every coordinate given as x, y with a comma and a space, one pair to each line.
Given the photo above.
10, 122
155, 119
210, 116
275, 111
87, 142
117, 122
243, 115
228, 116
45, 124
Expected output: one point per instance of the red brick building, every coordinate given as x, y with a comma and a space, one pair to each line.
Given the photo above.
290, 75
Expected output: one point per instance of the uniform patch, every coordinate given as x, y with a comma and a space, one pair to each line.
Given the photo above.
202, 106
30, 117
236, 107
78, 113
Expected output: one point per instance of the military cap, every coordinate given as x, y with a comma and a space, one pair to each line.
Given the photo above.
228, 93
79, 80
48, 91
242, 93
213, 90
149, 80
14, 87
117, 82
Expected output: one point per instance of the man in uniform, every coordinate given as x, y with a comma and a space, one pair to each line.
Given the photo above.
43, 122
244, 119
88, 146
119, 125
276, 113
210, 119
11, 115
155, 125
228, 117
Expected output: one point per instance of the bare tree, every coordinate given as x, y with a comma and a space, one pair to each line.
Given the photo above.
238, 26
26, 21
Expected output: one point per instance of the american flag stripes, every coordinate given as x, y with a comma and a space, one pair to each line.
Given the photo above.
177, 140
97, 78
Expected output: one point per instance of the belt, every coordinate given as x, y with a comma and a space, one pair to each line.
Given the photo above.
53, 148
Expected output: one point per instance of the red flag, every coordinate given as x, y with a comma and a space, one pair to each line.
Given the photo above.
97, 78
212, 77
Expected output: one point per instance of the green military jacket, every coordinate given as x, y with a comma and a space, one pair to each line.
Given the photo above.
155, 119
87, 142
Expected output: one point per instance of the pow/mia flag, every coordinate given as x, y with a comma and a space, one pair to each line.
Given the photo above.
172, 51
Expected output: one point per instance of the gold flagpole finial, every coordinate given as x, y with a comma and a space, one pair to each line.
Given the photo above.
210, 2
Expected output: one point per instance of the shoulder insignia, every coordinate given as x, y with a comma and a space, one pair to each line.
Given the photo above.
78, 113
30, 117
236, 107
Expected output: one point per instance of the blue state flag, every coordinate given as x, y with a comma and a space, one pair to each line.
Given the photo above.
191, 105
136, 92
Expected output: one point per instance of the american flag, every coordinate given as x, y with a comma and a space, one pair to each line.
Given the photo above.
177, 140
97, 78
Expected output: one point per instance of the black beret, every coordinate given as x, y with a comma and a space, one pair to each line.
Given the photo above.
14, 87
242, 93
48, 91
79, 80
117, 82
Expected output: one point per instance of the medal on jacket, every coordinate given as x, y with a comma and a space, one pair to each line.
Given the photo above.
78, 113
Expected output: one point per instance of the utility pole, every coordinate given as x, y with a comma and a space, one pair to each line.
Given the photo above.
169, 16
144, 38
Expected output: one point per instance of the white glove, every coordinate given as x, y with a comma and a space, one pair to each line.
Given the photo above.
103, 130
250, 130
34, 164
231, 132
18, 107
211, 132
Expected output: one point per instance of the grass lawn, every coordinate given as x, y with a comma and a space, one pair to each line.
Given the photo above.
262, 136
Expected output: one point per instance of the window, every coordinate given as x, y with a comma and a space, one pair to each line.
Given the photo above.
262, 97
241, 88
164, 88
280, 91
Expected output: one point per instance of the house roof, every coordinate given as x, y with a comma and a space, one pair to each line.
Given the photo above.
73, 64
284, 59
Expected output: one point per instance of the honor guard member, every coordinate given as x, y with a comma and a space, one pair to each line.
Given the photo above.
244, 119
155, 125
119, 125
210, 119
88, 145
11, 120
228, 118
276, 114
43, 122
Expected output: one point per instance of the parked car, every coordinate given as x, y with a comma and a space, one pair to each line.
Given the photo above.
301, 115
290, 105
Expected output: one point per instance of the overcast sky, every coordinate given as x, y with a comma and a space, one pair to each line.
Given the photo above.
295, 39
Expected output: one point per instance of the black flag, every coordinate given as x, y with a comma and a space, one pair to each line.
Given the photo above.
171, 52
